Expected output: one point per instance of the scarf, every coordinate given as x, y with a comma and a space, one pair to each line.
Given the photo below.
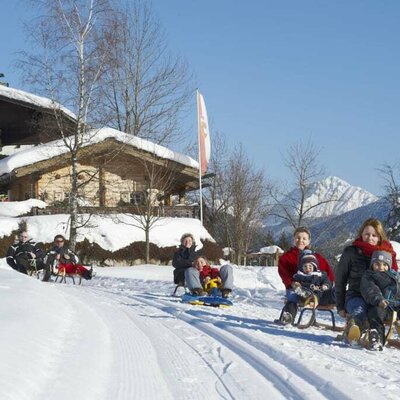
368, 249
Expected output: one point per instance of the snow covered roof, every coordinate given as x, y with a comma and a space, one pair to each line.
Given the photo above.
271, 250
57, 147
33, 100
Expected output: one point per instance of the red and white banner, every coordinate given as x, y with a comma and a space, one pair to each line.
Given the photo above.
204, 134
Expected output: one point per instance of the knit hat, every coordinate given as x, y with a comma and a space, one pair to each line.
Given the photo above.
308, 258
382, 256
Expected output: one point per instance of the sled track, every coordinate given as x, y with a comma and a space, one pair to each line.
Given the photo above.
272, 364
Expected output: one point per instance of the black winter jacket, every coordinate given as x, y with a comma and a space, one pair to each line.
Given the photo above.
377, 286
21, 250
352, 265
316, 278
62, 251
184, 257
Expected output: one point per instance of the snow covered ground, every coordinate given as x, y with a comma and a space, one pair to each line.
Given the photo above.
122, 336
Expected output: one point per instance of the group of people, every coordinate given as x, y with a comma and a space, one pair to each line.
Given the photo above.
26, 254
193, 271
364, 288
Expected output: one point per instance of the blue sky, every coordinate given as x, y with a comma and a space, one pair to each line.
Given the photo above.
274, 72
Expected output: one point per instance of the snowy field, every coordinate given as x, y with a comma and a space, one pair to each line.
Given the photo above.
123, 336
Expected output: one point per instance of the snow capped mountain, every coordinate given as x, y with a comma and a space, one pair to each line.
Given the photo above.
351, 202
345, 197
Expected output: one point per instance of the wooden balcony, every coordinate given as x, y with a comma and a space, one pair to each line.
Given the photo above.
164, 211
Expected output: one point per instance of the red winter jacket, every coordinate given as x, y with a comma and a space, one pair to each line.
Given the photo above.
208, 271
287, 266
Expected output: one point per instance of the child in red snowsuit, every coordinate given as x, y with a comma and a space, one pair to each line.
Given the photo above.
206, 272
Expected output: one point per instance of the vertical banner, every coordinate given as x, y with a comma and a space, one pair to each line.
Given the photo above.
204, 134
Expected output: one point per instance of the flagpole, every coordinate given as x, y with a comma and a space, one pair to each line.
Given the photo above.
198, 140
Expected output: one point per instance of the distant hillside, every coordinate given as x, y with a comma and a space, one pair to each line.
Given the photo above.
347, 224
341, 217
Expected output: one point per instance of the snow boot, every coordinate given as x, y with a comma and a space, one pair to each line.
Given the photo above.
286, 318
199, 292
353, 332
374, 340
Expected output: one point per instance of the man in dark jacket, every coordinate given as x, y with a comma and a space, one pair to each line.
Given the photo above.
184, 257
21, 255
61, 256
379, 288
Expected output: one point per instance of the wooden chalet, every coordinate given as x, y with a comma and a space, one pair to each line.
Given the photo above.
116, 171
27, 119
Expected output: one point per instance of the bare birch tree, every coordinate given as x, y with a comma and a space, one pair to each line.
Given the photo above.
390, 174
148, 207
145, 89
237, 201
66, 66
291, 204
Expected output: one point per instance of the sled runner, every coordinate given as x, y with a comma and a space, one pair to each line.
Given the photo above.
308, 310
356, 337
63, 275
38, 272
393, 324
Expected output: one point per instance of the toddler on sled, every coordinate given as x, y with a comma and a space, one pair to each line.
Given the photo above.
288, 267
380, 289
309, 284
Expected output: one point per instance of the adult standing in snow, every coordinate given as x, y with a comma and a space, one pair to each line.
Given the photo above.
61, 256
22, 254
288, 265
354, 262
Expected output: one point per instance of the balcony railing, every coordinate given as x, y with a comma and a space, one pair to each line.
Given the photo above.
164, 211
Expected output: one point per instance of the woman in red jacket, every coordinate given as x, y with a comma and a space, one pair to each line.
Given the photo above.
287, 267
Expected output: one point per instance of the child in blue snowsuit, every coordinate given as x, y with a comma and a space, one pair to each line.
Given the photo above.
308, 280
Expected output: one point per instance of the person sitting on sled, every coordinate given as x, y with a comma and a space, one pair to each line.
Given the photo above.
23, 253
60, 256
308, 281
201, 273
380, 288
288, 262
354, 262
184, 257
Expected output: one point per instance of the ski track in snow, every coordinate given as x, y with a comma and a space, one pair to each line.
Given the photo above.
289, 374
212, 353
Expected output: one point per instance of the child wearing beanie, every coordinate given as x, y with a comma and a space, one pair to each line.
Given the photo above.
380, 289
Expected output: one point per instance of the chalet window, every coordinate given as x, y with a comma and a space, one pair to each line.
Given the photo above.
58, 196
136, 198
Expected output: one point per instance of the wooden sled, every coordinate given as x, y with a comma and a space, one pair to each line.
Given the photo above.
392, 337
32, 269
393, 327
311, 307
61, 273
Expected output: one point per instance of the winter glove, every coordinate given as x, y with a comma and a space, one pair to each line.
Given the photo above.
11, 262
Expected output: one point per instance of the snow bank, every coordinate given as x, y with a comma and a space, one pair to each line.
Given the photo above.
111, 232
16, 208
